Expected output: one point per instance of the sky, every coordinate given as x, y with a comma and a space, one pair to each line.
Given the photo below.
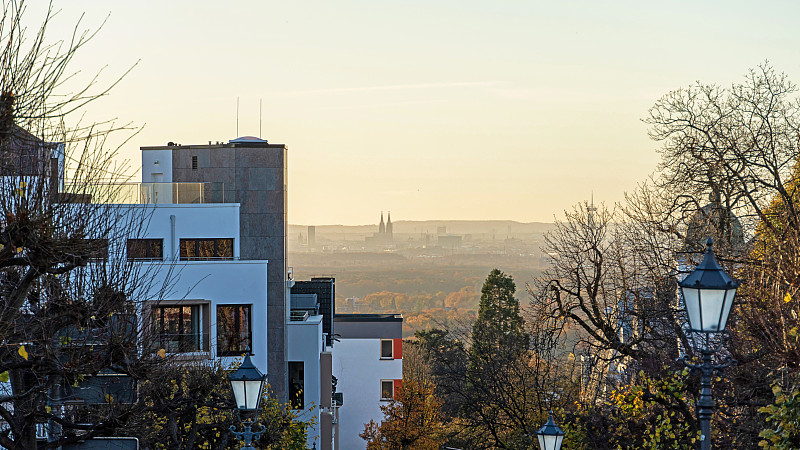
430, 109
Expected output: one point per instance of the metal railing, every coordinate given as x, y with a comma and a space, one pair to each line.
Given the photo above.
154, 193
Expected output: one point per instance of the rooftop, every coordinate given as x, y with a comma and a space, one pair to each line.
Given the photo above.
368, 317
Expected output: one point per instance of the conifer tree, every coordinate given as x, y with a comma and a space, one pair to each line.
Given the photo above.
499, 329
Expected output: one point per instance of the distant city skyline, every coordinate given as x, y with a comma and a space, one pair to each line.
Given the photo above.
444, 110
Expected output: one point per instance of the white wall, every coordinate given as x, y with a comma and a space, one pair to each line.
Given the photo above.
305, 344
150, 169
212, 220
220, 282
359, 370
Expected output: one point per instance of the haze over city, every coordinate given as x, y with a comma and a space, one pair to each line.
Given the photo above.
433, 110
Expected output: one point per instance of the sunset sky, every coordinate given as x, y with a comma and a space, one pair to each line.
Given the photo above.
431, 109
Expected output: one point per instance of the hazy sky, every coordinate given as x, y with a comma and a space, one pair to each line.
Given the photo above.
430, 109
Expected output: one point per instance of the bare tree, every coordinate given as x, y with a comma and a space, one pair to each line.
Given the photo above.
728, 171
66, 307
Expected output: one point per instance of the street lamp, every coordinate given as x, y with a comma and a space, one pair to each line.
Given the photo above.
550, 436
708, 294
247, 383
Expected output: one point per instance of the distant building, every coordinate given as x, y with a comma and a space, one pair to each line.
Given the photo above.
385, 235
312, 236
449, 241
368, 367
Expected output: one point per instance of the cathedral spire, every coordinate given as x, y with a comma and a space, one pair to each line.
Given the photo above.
389, 224
381, 226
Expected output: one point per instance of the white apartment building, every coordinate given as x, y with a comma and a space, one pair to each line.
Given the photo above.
368, 366
217, 236
215, 249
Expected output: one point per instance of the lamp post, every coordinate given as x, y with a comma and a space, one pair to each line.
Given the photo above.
247, 383
550, 435
708, 294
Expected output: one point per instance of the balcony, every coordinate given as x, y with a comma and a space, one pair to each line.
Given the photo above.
153, 193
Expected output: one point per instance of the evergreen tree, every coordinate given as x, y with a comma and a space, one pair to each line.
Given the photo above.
500, 401
499, 329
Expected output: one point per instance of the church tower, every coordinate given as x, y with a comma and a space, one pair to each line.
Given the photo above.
381, 226
389, 236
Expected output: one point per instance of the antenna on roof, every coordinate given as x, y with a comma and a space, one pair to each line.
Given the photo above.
260, 101
237, 116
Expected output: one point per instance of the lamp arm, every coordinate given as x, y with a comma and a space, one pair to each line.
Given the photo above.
247, 435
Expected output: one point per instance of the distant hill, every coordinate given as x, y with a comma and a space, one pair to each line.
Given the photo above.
475, 227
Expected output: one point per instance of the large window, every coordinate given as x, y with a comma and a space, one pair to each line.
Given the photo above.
177, 328
205, 249
234, 332
145, 249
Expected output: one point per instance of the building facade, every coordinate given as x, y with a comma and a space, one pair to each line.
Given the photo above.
249, 172
368, 367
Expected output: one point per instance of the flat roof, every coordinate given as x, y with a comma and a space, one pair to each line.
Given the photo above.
368, 317
249, 144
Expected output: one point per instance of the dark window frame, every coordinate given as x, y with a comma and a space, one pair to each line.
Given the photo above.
391, 348
297, 396
190, 342
150, 253
391, 390
197, 242
242, 343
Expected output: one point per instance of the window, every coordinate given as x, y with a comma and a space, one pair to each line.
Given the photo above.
387, 390
234, 332
97, 249
194, 162
205, 249
145, 249
386, 349
296, 384
177, 328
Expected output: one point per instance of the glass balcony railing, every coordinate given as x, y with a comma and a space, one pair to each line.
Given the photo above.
153, 193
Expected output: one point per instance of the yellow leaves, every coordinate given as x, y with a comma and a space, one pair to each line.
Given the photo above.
109, 398
162, 353
47, 409
787, 298
4, 377
22, 352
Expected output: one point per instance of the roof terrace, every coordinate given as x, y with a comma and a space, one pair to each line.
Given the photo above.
154, 193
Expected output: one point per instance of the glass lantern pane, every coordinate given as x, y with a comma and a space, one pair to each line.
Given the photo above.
253, 393
691, 297
711, 302
550, 442
559, 441
238, 393
730, 294
541, 443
